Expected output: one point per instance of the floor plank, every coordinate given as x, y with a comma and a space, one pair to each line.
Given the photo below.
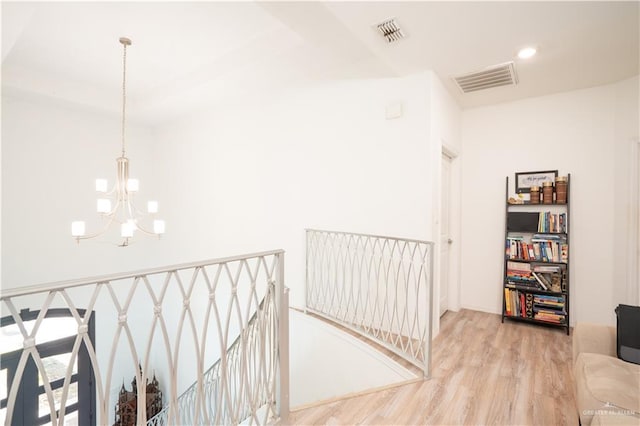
484, 373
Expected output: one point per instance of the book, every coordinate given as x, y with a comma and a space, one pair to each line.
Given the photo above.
547, 298
536, 251
542, 283
529, 305
519, 266
549, 310
548, 237
507, 301
547, 268
557, 319
548, 251
547, 280
564, 253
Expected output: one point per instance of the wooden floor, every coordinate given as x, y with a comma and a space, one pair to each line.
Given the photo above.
484, 373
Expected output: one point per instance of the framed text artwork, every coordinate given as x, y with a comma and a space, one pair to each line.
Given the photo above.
525, 180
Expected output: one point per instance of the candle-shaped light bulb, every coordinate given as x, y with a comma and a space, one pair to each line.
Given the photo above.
152, 207
77, 228
126, 230
101, 185
133, 185
158, 227
103, 205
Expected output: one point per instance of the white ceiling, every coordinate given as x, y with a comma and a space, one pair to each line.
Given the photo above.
187, 56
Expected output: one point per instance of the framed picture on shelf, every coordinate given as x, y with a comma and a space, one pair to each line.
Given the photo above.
525, 180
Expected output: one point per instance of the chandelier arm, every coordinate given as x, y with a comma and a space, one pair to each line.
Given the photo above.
112, 213
112, 191
104, 229
134, 212
130, 209
146, 231
138, 213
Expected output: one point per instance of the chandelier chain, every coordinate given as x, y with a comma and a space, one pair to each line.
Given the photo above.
124, 94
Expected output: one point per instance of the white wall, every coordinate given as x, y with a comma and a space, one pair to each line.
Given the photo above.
626, 136
253, 178
351, 366
574, 132
446, 117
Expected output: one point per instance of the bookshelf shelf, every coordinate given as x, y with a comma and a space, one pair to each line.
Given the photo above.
545, 262
528, 204
535, 283
526, 289
545, 233
536, 321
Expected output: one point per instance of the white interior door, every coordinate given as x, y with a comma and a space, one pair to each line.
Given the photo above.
445, 238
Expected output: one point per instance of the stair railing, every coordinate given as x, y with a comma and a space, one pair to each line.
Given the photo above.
172, 322
248, 347
379, 287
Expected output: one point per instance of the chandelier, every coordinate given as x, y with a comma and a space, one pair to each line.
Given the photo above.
116, 206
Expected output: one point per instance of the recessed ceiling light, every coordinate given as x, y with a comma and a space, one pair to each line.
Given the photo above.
527, 52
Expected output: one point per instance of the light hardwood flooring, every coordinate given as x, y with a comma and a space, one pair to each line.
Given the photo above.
484, 373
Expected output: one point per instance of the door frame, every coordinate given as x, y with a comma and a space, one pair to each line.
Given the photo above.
445, 248
453, 287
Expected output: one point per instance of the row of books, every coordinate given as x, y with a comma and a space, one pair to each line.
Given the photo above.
549, 222
541, 248
518, 304
536, 277
521, 304
550, 317
549, 308
548, 300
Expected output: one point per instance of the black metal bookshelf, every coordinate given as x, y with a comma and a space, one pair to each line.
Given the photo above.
514, 294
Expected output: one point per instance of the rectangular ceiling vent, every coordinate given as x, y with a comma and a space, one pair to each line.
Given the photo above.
493, 76
390, 30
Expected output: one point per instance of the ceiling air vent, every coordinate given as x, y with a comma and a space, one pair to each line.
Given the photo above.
493, 76
390, 30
